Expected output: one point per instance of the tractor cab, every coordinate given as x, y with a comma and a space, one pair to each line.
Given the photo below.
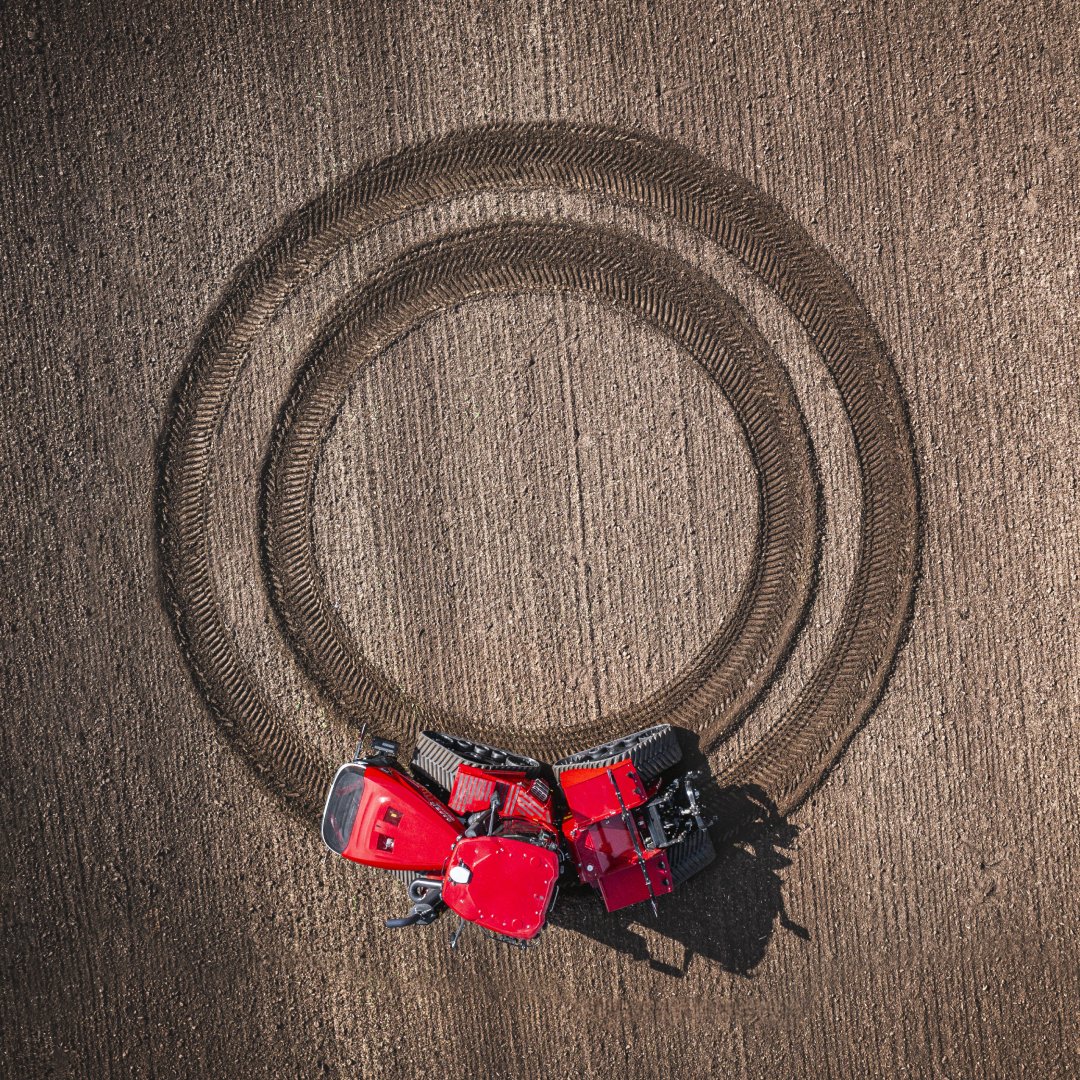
342, 806
377, 815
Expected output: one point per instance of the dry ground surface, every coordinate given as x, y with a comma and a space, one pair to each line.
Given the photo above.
532, 511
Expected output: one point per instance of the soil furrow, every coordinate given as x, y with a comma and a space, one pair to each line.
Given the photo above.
652, 175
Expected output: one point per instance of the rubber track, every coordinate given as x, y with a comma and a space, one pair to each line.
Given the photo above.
513, 258
630, 168
690, 856
440, 763
652, 752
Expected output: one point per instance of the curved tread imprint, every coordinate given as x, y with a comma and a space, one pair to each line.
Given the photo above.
715, 688
651, 175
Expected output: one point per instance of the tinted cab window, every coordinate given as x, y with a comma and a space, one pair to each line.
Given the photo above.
341, 807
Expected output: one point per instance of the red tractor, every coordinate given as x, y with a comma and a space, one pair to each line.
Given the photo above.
491, 835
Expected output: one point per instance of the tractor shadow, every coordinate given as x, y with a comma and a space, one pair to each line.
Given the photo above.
728, 912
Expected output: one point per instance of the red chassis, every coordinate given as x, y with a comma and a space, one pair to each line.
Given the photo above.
490, 835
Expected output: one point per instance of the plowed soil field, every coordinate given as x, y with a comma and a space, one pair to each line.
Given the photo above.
537, 373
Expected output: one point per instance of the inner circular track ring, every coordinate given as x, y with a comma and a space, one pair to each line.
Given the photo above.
712, 693
652, 175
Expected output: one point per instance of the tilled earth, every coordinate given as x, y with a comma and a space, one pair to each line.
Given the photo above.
676, 363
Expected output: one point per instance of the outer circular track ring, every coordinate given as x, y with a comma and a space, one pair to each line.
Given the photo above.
644, 172
518, 257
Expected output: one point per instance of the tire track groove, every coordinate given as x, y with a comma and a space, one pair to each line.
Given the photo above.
657, 177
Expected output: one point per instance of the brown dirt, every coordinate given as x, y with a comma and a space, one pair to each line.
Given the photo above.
599, 434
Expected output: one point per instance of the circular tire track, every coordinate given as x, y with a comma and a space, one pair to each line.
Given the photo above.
522, 257
643, 172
